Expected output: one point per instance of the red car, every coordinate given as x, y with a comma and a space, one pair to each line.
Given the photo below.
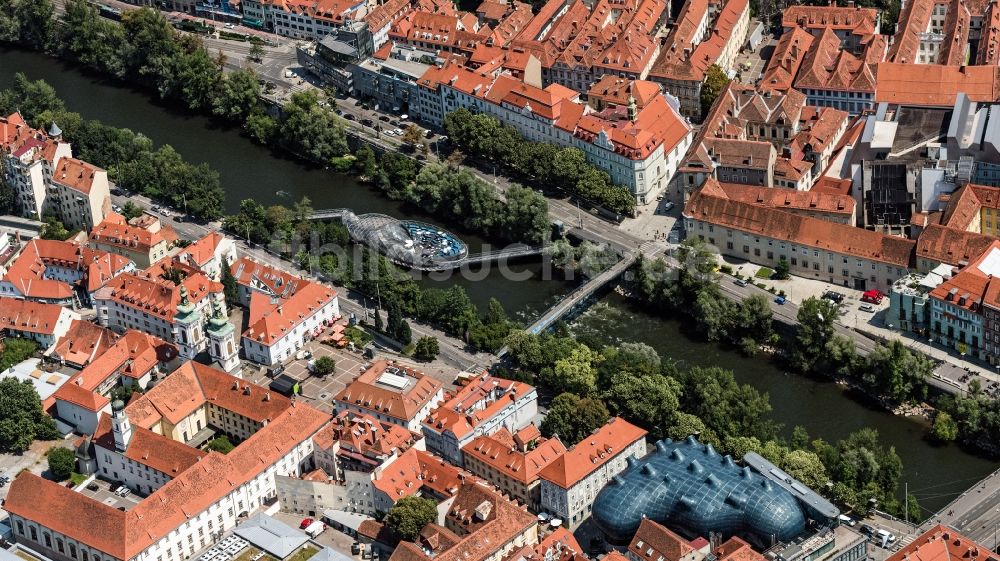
305, 523
872, 296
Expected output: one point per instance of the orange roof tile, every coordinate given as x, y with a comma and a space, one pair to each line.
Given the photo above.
857, 20
809, 201
951, 245
76, 174
415, 469
84, 342
71, 392
136, 236
592, 452
27, 272
282, 317
148, 448
653, 541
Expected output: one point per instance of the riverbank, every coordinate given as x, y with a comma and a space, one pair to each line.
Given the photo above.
936, 473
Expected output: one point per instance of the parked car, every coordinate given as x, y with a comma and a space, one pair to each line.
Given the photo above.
740, 282
867, 308
833, 296
303, 354
668, 206
230, 26
93, 486
780, 300
872, 297
305, 523
867, 530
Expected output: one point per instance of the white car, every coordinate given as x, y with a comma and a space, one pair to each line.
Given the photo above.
230, 26
397, 132
303, 354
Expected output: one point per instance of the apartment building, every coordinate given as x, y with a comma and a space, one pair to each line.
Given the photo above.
706, 32
189, 497
78, 193
932, 32
964, 308
813, 247
571, 482
393, 393
61, 272
766, 138
415, 472
210, 254
653, 541
482, 406
144, 240
29, 158
43, 323
512, 461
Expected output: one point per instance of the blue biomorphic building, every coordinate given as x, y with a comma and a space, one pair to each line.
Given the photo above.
689, 487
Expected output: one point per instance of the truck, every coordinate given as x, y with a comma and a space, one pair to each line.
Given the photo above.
315, 529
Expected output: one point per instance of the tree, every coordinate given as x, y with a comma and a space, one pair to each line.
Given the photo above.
427, 349
574, 374
573, 418
806, 467
230, 287
684, 425
8, 197
62, 463
311, 131
715, 81
404, 335
53, 229
409, 516
31, 98
944, 429
726, 407
412, 135
815, 331
896, 372
650, 401
365, 164
256, 52
132, 210
16, 351
324, 365
22, 419
781, 269
220, 444
237, 95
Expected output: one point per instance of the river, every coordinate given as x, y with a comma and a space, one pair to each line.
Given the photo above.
936, 473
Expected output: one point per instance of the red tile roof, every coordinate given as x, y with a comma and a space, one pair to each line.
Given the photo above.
149, 292
366, 391
951, 245
515, 463
796, 228
28, 272
148, 448
84, 342
808, 201
416, 469
592, 452
653, 542
857, 20
478, 401
281, 318
935, 85
786, 59
139, 236
941, 543
29, 317
76, 174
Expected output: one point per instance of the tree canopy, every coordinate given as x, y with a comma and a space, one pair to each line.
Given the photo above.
409, 515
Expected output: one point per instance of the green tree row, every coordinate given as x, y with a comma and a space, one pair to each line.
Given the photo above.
565, 168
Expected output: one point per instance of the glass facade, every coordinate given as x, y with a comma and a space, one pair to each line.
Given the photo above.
687, 486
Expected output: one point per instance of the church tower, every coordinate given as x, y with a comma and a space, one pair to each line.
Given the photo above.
222, 345
120, 426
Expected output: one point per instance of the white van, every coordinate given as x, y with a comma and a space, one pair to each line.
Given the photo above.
844, 519
885, 537
315, 529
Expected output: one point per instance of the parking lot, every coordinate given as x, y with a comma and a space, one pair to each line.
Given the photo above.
104, 494
317, 391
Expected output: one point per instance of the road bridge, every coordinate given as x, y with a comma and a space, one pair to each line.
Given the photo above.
975, 513
329, 214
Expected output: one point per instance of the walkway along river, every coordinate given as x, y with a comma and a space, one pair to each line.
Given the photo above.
935, 474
